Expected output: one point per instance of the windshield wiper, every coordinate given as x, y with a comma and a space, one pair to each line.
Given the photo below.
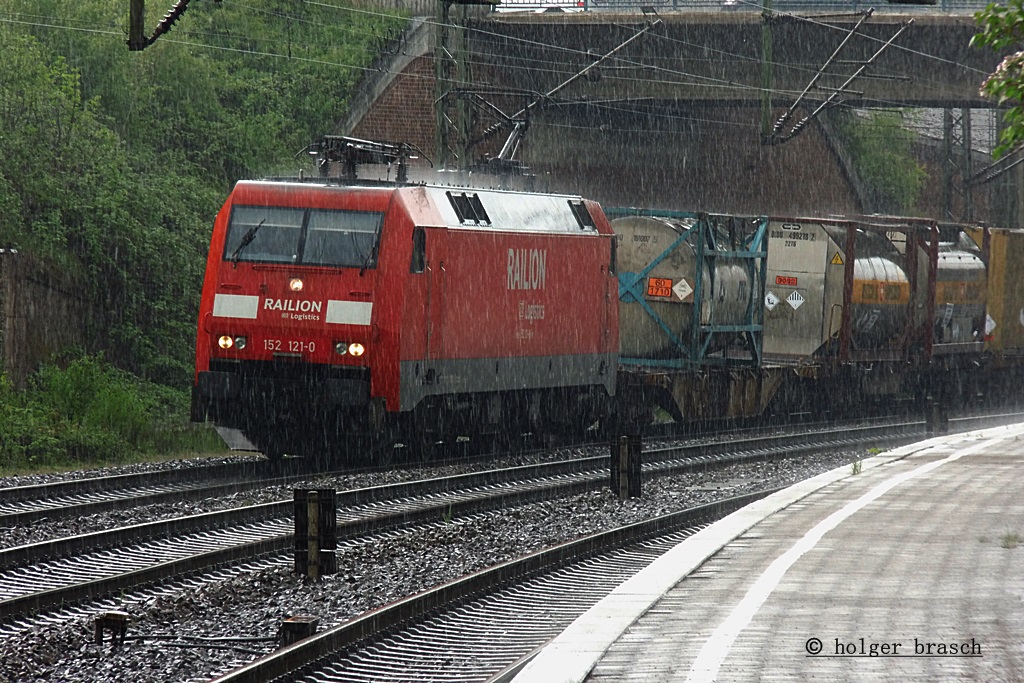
373, 252
246, 241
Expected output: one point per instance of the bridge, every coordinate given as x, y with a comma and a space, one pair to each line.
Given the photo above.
714, 104
918, 61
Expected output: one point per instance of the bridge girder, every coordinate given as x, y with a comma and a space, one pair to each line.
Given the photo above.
717, 57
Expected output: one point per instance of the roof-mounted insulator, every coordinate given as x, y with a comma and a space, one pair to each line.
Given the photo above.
352, 152
136, 38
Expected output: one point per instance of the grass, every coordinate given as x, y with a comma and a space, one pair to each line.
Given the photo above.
1010, 540
196, 441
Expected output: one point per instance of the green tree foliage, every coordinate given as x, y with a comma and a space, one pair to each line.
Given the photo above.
235, 88
1002, 29
882, 151
114, 163
135, 234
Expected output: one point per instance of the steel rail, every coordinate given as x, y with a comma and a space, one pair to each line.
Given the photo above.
22, 505
698, 456
314, 649
354, 522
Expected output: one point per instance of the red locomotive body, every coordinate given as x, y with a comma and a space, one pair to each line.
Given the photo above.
332, 314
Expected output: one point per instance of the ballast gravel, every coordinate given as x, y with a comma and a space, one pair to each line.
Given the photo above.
196, 633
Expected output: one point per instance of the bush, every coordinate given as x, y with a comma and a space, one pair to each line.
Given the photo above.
25, 436
85, 411
882, 151
95, 398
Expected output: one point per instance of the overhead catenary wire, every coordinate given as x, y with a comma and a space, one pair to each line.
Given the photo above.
263, 53
258, 53
811, 19
698, 80
581, 53
682, 78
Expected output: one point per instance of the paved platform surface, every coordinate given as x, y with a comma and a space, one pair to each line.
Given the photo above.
910, 570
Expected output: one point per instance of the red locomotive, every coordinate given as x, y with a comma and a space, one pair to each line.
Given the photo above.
335, 316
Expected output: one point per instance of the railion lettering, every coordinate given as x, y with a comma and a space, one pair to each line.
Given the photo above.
292, 305
527, 268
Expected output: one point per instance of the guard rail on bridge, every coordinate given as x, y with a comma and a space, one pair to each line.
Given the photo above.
966, 7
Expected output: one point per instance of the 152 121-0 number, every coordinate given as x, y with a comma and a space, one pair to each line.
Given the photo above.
290, 345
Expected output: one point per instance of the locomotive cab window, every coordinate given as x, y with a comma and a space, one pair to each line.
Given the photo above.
342, 238
265, 234
419, 251
316, 237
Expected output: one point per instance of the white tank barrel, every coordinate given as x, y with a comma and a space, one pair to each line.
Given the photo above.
669, 288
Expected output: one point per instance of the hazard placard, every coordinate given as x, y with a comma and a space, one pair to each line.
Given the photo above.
659, 286
682, 289
795, 300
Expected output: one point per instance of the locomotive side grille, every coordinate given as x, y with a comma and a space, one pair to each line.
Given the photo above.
469, 208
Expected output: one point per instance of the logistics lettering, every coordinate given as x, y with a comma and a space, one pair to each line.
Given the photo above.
531, 311
527, 268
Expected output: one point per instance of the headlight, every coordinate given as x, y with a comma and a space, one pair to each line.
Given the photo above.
295, 284
354, 349
227, 342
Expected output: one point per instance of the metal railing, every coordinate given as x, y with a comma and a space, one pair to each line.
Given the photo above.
966, 7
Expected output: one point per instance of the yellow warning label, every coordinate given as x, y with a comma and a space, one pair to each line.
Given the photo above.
837, 260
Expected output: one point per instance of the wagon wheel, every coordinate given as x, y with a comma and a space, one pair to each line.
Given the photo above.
271, 447
383, 446
273, 453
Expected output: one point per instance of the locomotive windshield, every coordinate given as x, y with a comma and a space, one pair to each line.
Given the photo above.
312, 237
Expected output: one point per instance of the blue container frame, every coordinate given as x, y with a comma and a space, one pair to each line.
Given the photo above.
693, 352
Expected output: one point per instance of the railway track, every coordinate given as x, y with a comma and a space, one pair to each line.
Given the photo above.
76, 498
453, 633
214, 545
22, 505
52, 502
40, 576
482, 627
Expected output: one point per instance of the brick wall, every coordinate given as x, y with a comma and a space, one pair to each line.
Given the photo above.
42, 314
707, 158
405, 110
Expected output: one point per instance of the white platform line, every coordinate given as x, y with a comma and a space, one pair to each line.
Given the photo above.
719, 643
570, 656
